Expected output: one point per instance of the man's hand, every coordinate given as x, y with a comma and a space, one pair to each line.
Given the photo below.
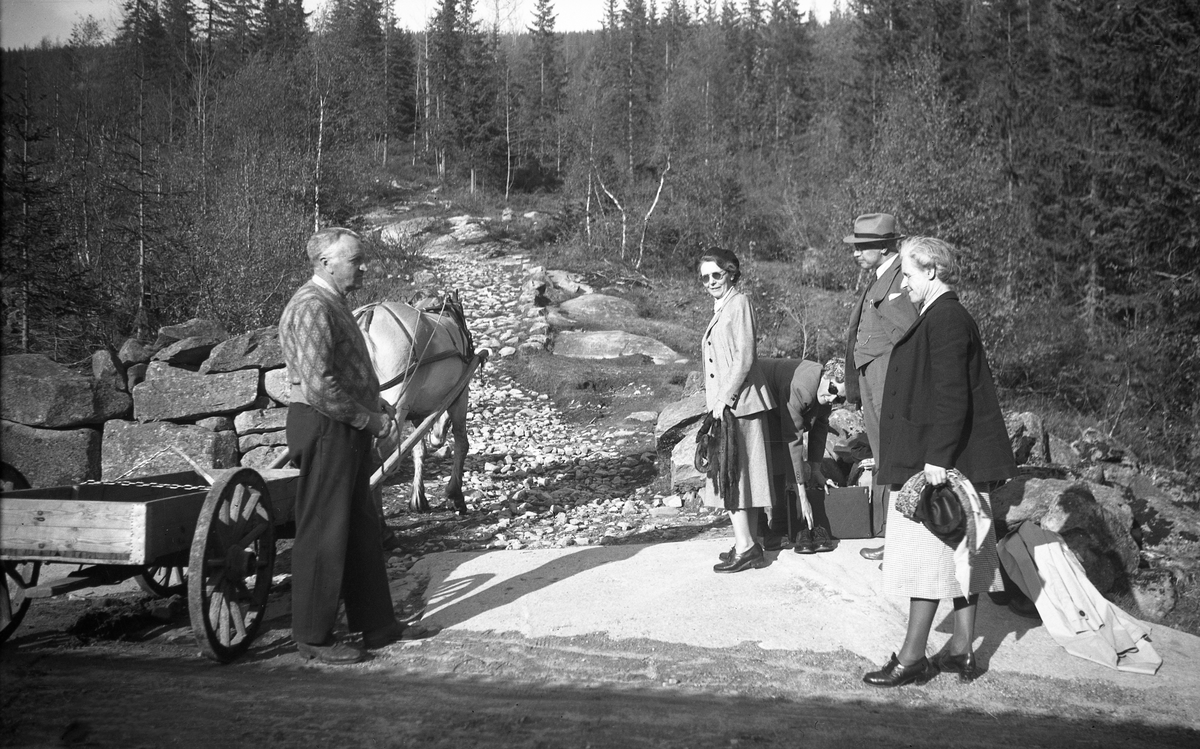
805, 506
936, 475
380, 425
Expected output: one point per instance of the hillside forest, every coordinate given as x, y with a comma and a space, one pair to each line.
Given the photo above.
174, 168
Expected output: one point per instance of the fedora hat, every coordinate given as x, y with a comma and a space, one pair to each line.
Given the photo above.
874, 227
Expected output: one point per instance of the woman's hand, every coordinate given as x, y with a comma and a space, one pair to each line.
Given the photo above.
718, 411
936, 475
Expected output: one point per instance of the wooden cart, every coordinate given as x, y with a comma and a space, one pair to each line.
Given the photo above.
174, 533
209, 534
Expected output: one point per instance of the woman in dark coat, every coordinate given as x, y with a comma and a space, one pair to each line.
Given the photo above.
940, 411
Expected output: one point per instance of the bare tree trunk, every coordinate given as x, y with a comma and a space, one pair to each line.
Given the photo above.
662, 178
387, 110
624, 218
317, 175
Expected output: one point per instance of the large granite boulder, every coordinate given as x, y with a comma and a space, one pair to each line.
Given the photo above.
108, 372
675, 419
145, 449
684, 475
611, 344
403, 232
38, 392
176, 394
248, 442
263, 457
134, 351
194, 328
569, 283
278, 385
598, 308
190, 352
260, 420
51, 457
470, 233
1095, 521
258, 349
1030, 443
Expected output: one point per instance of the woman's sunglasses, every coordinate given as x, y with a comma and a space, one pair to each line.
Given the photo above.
716, 275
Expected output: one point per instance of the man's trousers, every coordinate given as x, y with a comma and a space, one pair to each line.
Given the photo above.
337, 552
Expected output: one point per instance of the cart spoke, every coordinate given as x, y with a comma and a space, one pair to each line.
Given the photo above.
254, 534
239, 620
246, 512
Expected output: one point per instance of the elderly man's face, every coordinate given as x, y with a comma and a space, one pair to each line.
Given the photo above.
870, 255
346, 264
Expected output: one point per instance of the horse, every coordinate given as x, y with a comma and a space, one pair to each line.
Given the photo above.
419, 353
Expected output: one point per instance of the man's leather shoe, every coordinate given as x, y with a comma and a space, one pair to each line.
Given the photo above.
804, 543
873, 554
964, 665
383, 636
334, 652
773, 543
821, 540
893, 674
750, 558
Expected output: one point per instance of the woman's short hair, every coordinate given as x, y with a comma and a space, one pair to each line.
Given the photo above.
928, 252
320, 242
835, 369
724, 259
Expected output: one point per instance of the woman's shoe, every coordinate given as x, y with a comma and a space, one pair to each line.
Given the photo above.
752, 557
893, 674
725, 556
804, 543
964, 665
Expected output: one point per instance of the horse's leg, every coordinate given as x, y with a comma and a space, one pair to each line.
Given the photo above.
418, 502
458, 425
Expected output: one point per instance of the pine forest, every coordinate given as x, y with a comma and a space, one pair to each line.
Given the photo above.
174, 168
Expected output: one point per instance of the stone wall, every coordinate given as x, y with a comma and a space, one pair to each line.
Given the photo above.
219, 399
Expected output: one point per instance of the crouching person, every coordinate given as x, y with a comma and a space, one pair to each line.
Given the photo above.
806, 393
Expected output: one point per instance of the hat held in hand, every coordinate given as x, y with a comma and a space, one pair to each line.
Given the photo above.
874, 227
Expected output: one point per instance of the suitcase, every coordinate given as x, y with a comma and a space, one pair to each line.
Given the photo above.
849, 511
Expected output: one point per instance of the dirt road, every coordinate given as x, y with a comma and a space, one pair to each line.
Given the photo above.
483, 689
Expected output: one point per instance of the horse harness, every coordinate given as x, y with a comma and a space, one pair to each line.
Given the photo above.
451, 307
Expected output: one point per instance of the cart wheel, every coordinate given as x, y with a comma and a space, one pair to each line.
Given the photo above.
233, 557
13, 604
164, 582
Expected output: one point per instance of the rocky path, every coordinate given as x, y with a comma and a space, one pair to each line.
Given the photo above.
534, 477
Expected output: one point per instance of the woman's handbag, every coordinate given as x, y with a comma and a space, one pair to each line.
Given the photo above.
717, 456
940, 510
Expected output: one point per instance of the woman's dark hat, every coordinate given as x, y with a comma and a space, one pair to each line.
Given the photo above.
874, 227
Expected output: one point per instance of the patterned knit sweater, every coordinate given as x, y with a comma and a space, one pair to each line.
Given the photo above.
327, 357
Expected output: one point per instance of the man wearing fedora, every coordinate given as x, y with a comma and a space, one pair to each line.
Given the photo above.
880, 318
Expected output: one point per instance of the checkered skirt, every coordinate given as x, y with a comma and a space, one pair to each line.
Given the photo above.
918, 564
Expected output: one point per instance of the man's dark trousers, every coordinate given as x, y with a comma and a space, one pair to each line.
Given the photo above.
337, 552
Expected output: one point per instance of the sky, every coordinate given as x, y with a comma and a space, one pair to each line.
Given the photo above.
27, 22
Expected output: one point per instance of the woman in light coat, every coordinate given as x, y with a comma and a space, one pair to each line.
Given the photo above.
940, 412
732, 379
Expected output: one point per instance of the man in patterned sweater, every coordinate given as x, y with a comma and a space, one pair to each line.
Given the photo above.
334, 412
